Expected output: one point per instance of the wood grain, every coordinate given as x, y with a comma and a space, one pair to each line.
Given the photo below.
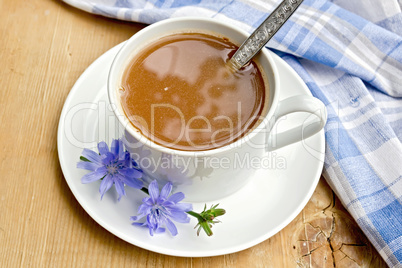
45, 45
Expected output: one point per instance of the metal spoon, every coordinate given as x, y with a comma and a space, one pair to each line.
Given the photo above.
257, 40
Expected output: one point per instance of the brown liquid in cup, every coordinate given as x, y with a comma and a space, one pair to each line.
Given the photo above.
179, 93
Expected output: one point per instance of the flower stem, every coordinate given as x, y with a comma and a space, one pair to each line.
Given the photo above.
194, 214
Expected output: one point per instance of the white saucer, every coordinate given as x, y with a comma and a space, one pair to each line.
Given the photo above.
262, 208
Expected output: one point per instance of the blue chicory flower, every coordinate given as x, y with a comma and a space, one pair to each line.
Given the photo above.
160, 209
113, 167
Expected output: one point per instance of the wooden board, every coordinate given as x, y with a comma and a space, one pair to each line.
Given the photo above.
45, 45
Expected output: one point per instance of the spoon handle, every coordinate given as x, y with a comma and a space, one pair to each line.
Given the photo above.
264, 33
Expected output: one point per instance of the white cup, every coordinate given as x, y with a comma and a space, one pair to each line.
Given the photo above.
211, 174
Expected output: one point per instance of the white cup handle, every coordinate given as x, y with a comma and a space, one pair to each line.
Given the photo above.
301, 103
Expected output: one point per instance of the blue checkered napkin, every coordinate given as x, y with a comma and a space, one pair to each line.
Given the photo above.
349, 54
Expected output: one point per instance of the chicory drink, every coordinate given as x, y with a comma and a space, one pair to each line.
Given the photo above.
179, 93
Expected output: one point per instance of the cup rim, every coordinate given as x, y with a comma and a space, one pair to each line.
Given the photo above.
113, 100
